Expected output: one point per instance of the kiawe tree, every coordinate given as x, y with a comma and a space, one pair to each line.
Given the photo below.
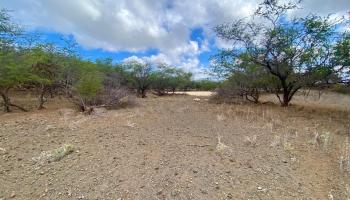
13, 70
139, 74
167, 78
341, 57
295, 51
12, 74
46, 66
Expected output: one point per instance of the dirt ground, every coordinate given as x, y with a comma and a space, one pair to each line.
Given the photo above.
175, 147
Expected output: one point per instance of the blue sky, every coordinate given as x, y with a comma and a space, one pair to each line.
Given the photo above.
92, 54
176, 32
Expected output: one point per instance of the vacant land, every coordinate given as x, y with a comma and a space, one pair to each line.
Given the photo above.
176, 148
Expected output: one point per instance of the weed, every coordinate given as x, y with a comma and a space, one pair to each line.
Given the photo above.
61, 152
250, 140
54, 155
220, 146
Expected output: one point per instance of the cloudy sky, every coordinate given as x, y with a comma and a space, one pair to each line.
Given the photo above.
177, 32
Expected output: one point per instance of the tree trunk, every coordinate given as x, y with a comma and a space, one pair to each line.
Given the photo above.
42, 97
6, 99
51, 90
286, 98
286, 92
254, 95
143, 93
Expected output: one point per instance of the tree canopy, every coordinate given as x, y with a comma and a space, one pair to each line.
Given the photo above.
296, 51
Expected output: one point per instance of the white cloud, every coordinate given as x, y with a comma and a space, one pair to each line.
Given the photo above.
184, 57
137, 25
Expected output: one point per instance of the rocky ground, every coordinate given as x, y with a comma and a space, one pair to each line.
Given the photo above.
175, 147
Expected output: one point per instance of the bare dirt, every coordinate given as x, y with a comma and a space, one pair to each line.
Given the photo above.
175, 147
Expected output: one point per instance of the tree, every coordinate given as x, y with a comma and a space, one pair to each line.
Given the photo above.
46, 65
97, 87
341, 57
206, 85
87, 89
160, 82
139, 74
13, 72
181, 80
249, 80
167, 78
296, 52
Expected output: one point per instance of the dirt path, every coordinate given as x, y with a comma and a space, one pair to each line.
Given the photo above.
173, 148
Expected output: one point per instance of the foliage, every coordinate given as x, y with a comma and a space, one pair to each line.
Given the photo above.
89, 85
167, 78
13, 71
341, 57
296, 52
206, 85
139, 75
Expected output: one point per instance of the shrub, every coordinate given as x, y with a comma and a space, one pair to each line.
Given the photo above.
104, 90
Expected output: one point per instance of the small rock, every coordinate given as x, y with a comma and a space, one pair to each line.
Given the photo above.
100, 111
13, 194
259, 188
49, 127
2, 151
203, 191
175, 193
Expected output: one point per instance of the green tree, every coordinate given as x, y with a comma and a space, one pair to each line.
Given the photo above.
297, 52
181, 80
206, 85
46, 65
139, 75
86, 84
13, 70
341, 57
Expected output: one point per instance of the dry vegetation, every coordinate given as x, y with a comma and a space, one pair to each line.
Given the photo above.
173, 147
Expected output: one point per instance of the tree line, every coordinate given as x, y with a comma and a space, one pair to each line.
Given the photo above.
57, 69
276, 53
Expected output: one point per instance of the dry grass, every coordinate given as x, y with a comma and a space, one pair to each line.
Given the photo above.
312, 124
315, 100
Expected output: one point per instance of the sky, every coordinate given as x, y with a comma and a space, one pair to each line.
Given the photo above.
176, 32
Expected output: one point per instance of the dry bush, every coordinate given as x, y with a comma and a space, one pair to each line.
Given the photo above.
344, 89
224, 95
